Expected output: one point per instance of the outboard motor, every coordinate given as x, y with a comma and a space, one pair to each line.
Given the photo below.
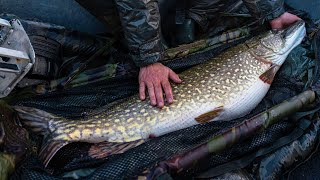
16, 55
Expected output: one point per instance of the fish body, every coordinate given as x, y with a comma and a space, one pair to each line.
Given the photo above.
224, 88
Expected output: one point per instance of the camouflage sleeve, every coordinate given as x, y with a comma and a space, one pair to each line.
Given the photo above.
265, 10
140, 20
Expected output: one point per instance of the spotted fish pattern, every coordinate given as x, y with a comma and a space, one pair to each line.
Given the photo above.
217, 82
226, 87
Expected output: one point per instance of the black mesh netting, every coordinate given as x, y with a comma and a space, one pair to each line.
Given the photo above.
80, 101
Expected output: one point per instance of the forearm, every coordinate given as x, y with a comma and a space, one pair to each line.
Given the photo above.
141, 24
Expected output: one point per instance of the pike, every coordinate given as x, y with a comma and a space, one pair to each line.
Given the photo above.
226, 87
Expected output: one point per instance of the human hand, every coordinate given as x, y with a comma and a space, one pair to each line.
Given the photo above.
283, 21
156, 78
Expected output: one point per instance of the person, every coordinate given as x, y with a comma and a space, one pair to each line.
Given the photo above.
141, 24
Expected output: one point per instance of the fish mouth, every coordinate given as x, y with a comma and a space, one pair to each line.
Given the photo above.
291, 30
293, 35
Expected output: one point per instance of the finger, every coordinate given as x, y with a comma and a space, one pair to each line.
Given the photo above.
151, 94
142, 91
168, 91
174, 77
159, 94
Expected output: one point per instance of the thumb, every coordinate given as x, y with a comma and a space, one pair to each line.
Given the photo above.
174, 77
276, 24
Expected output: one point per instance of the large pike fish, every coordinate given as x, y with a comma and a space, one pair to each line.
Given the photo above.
224, 88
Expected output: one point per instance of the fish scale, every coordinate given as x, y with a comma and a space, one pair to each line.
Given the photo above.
226, 87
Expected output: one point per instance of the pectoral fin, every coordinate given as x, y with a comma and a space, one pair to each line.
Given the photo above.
209, 115
269, 75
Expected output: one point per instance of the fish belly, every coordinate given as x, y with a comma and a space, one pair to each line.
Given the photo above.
245, 102
238, 107
184, 120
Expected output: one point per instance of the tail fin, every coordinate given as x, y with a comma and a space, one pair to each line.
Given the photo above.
39, 121
35, 119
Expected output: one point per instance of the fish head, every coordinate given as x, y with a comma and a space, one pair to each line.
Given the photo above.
275, 45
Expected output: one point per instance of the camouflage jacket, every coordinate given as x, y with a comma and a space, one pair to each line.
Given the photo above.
140, 20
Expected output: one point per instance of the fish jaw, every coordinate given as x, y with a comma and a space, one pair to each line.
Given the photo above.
278, 44
292, 40
293, 36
